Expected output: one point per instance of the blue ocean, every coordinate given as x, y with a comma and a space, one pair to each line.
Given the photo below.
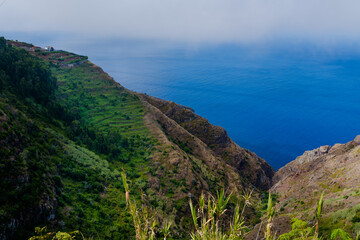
277, 100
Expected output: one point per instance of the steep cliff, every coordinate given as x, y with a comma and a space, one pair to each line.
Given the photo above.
253, 170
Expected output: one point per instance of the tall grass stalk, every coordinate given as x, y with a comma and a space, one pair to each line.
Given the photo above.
145, 221
209, 219
270, 216
318, 211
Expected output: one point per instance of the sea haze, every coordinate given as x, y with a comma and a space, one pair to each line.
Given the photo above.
277, 100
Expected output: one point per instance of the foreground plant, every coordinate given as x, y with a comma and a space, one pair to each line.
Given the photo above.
270, 216
341, 234
301, 230
43, 234
145, 221
318, 214
208, 219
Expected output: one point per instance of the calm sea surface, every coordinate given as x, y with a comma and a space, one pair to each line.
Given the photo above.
275, 101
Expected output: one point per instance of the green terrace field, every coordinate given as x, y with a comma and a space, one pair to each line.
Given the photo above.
102, 102
59, 57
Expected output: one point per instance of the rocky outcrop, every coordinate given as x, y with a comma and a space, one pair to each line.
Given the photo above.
295, 165
324, 154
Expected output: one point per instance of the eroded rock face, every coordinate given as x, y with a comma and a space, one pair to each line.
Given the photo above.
293, 166
254, 170
309, 156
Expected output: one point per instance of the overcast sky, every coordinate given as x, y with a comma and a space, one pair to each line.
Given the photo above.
188, 20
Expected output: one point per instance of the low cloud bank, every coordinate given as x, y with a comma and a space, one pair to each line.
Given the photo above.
213, 21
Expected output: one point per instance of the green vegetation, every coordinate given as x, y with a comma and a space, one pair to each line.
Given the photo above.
24, 75
145, 220
43, 234
100, 101
29, 155
212, 224
299, 229
347, 219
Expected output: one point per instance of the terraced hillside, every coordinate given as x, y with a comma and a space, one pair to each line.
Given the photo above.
100, 101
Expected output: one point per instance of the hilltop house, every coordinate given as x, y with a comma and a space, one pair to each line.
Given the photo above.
49, 49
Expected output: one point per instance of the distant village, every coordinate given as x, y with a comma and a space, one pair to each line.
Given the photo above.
46, 49
32, 48
58, 57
